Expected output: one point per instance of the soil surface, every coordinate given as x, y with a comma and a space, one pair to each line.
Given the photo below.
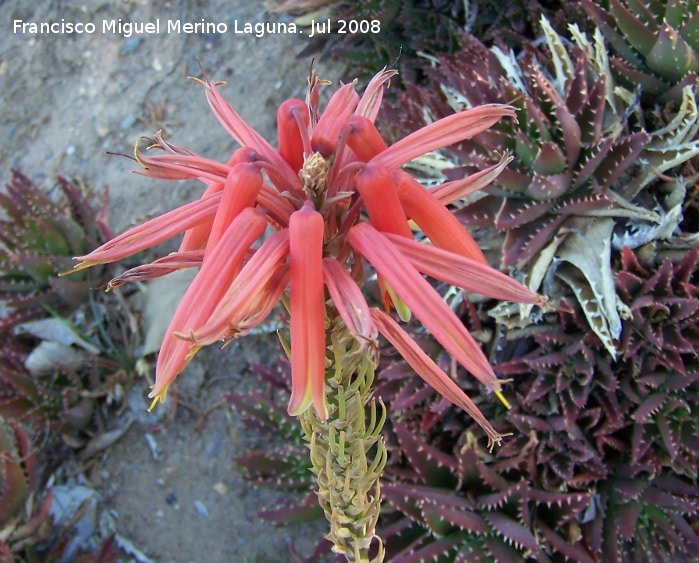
167, 486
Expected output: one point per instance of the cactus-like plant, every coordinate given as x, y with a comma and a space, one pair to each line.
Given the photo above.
284, 465
656, 44
581, 157
660, 340
406, 33
39, 235
22, 522
39, 238
63, 400
585, 474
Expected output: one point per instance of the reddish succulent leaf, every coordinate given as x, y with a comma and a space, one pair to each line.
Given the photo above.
574, 551
432, 465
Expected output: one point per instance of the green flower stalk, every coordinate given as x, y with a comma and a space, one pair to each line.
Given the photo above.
335, 195
347, 476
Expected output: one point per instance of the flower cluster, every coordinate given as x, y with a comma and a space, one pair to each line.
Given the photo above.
335, 194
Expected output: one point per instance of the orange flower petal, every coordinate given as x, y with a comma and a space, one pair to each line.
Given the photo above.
327, 131
375, 185
240, 191
370, 102
236, 304
449, 192
180, 167
349, 301
152, 232
196, 238
158, 268
362, 136
293, 121
280, 172
177, 167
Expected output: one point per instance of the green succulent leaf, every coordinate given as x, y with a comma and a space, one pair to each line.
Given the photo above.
677, 11
690, 31
671, 56
550, 160
640, 35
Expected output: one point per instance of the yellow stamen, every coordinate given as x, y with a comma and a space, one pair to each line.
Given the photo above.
161, 397
77, 268
502, 398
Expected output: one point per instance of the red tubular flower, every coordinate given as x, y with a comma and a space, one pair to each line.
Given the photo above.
240, 192
442, 133
307, 312
423, 301
349, 301
280, 172
204, 294
430, 372
435, 220
293, 122
450, 192
466, 273
233, 308
375, 185
363, 138
327, 132
151, 232
330, 169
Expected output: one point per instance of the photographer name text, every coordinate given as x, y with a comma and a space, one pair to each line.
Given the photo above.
157, 26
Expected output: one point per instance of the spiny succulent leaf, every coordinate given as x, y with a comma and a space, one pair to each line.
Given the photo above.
512, 531
15, 485
671, 55
593, 283
638, 35
435, 467
268, 413
573, 551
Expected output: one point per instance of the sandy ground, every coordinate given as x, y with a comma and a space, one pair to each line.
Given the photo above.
67, 99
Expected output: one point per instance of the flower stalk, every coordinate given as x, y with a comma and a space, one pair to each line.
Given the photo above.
347, 450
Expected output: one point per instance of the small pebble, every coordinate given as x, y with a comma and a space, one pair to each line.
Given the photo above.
170, 498
201, 509
221, 488
130, 45
128, 121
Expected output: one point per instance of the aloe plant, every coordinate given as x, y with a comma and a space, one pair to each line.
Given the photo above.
39, 239
660, 340
584, 170
656, 44
585, 474
21, 520
39, 235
